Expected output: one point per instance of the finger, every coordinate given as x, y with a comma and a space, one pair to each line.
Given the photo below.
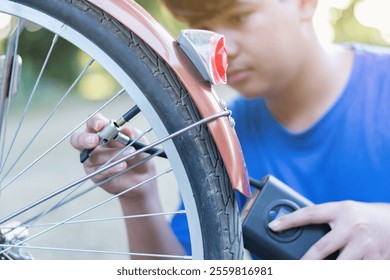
360, 247
313, 214
350, 253
96, 123
83, 140
327, 245
104, 175
102, 155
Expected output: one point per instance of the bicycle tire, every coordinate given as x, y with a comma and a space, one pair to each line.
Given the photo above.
216, 210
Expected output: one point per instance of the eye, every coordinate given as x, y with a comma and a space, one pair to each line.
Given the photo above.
235, 19
238, 18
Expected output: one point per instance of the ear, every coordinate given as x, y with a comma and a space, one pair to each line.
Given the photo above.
307, 8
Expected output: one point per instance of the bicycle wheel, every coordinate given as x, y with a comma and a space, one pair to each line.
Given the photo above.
44, 190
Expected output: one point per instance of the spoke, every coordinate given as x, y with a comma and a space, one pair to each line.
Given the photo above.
68, 198
3, 134
128, 146
50, 116
60, 141
136, 153
37, 82
70, 186
8, 77
23, 246
89, 209
10, 63
8, 218
7, 256
30, 222
171, 213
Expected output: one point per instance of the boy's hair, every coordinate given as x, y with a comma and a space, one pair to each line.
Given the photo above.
196, 11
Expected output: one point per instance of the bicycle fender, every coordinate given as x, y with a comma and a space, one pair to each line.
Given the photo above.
139, 21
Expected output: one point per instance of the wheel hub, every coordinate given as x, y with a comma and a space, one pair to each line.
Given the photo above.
12, 247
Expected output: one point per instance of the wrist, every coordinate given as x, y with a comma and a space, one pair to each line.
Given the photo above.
142, 203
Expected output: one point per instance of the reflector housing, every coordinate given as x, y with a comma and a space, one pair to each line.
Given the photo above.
206, 50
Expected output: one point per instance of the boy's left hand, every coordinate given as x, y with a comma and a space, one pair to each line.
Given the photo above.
358, 230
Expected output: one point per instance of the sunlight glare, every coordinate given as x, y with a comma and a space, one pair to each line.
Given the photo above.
321, 20
374, 13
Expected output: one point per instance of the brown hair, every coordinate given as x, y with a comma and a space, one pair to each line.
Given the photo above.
196, 11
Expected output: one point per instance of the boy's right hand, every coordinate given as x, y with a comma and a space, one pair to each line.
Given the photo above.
101, 154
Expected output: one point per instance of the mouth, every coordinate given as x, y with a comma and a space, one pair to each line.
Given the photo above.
237, 76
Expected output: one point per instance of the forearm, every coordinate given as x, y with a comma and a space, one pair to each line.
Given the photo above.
149, 234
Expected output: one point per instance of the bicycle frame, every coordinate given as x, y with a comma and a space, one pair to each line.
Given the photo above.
160, 40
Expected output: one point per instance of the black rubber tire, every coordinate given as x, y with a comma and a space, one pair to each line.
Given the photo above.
215, 200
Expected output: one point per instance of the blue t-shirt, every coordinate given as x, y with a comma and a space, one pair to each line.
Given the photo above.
344, 156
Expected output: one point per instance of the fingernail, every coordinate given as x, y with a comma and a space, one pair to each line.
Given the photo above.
274, 223
91, 140
97, 124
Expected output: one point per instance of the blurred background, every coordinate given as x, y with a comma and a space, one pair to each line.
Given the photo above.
364, 21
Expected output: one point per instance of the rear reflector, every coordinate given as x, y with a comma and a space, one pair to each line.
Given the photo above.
206, 50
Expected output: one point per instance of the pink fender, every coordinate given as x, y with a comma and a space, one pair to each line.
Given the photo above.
160, 40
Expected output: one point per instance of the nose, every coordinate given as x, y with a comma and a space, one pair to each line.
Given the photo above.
231, 48
231, 41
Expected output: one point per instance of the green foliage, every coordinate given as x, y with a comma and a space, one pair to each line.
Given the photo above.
162, 15
63, 57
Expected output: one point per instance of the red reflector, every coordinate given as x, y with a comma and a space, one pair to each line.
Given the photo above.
206, 50
219, 61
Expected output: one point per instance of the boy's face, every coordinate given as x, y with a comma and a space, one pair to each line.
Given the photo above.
265, 42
